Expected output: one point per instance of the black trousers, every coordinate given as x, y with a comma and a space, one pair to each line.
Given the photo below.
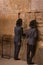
30, 52
17, 50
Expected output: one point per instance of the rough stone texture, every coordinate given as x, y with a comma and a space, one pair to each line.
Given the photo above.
37, 5
9, 10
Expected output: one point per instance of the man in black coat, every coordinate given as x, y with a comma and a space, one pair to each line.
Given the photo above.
18, 30
32, 36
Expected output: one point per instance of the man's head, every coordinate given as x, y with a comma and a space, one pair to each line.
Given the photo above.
19, 22
33, 24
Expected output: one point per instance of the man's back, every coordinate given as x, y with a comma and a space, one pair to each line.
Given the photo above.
18, 33
31, 36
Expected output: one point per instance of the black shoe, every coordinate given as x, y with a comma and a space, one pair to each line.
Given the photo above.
16, 58
30, 62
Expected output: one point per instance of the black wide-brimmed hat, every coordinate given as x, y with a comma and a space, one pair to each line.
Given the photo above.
33, 23
19, 22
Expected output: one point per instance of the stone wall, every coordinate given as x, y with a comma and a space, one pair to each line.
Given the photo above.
9, 14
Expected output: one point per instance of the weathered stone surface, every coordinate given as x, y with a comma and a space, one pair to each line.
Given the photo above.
9, 10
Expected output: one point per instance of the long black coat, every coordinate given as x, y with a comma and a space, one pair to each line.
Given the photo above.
18, 34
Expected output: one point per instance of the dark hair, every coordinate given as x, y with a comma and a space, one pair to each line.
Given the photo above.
19, 22
33, 24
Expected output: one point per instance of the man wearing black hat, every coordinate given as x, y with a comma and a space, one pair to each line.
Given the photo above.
32, 36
